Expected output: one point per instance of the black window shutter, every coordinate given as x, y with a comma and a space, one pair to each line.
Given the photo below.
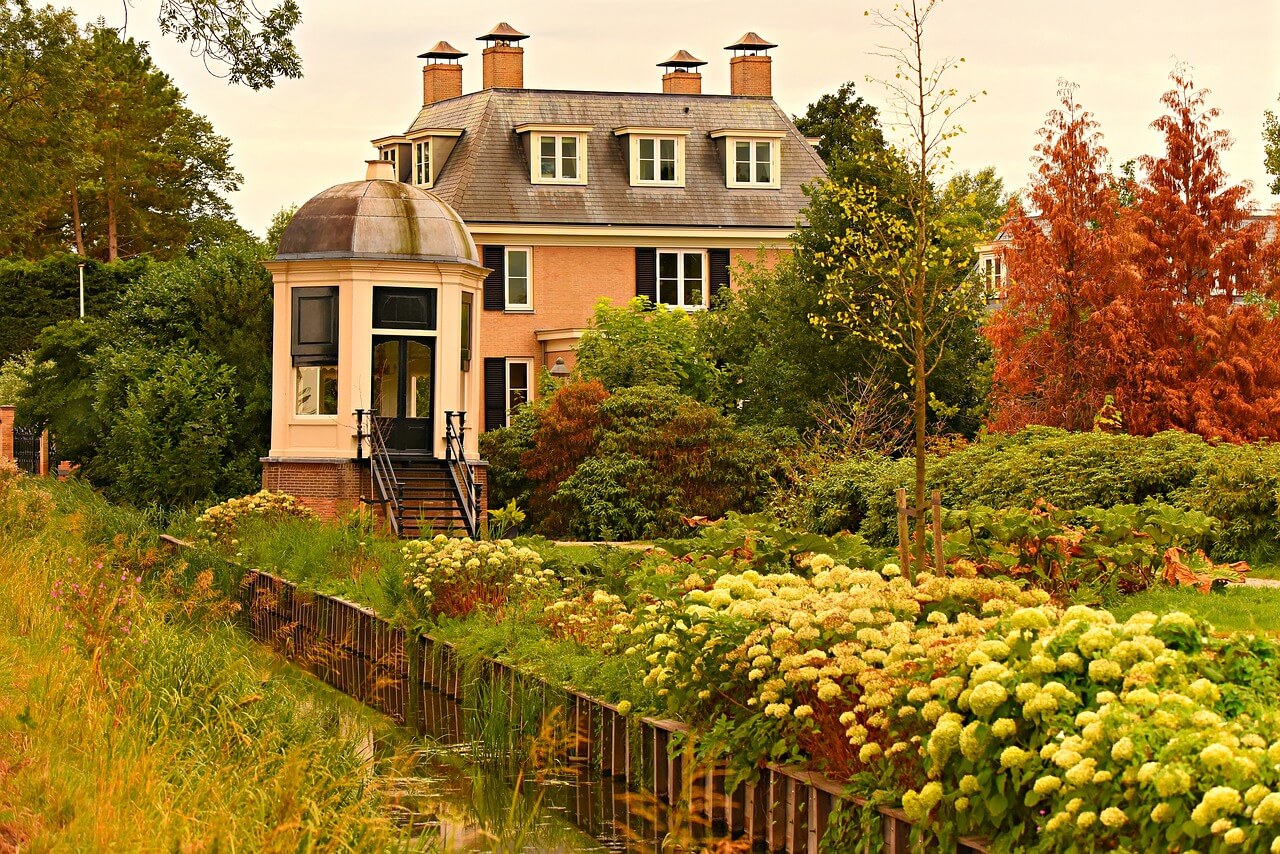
315, 326
495, 258
647, 274
495, 393
717, 273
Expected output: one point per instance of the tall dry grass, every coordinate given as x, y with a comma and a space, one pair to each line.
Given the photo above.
147, 723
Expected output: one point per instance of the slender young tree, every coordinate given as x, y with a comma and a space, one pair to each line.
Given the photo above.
1206, 362
1271, 140
892, 280
1053, 339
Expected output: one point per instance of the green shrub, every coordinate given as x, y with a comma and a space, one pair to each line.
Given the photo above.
1237, 484
1240, 484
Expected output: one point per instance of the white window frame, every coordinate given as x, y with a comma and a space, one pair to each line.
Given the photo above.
681, 281
535, 157
422, 177
506, 279
753, 162
392, 154
317, 415
677, 179
529, 379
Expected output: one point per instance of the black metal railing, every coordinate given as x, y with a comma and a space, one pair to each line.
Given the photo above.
388, 488
465, 488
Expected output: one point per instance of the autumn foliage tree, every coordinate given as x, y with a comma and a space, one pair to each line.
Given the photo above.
1052, 337
1165, 305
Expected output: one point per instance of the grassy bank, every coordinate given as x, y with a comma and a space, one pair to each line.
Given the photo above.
133, 716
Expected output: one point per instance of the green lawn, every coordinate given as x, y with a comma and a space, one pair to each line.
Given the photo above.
1237, 608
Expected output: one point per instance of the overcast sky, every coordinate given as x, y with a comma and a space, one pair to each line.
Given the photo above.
363, 80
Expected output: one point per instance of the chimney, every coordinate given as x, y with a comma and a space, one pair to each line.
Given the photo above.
503, 58
680, 78
442, 75
749, 71
379, 170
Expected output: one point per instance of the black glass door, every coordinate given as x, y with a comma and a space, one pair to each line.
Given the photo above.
403, 390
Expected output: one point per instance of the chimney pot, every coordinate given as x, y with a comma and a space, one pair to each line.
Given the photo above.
750, 72
503, 66
681, 77
379, 170
442, 75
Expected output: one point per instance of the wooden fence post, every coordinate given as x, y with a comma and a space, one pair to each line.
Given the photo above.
937, 531
904, 559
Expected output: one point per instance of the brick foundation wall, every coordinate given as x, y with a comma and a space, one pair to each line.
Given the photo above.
331, 488
481, 471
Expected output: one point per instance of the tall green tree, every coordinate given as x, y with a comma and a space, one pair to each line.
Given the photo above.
100, 152
41, 59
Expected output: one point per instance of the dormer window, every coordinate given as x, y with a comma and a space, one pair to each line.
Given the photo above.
656, 159
420, 154
422, 162
751, 158
557, 153
655, 155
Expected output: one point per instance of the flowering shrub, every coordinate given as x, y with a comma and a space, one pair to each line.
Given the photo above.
454, 576
593, 619
219, 523
1077, 732
821, 666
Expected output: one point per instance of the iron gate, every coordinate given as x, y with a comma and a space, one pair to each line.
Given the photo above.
26, 449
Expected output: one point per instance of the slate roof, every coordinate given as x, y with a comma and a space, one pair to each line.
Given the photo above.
486, 178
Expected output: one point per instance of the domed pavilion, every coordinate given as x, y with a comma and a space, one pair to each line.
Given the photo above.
376, 286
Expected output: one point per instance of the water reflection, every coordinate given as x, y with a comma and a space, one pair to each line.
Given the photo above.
521, 794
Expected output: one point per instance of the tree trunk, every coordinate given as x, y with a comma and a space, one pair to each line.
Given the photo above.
77, 228
921, 282
113, 246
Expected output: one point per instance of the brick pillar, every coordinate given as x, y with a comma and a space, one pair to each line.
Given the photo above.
441, 81
503, 67
7, 451
480, 470
682, 83
751, 75
44, 453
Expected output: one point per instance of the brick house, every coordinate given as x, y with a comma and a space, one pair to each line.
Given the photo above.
578, 195
476, 249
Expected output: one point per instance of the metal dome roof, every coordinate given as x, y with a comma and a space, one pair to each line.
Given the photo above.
377, 220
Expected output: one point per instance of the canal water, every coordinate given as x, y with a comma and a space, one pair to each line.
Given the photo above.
461, 793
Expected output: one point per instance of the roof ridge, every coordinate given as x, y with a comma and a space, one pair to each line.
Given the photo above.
469, 167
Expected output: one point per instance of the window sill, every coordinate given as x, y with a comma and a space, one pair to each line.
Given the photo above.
518, 311
753, 186
313, 420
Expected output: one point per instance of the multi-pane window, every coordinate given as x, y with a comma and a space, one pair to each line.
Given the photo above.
390, 155
519, 374
519, 289
656, 160
558, 158
316, 390
682, 279
752, 162
422, 163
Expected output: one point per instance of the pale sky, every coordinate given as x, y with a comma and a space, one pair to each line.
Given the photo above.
363, 79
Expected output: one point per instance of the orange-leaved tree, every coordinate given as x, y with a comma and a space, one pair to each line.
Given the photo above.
1205, 333
1056, 339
